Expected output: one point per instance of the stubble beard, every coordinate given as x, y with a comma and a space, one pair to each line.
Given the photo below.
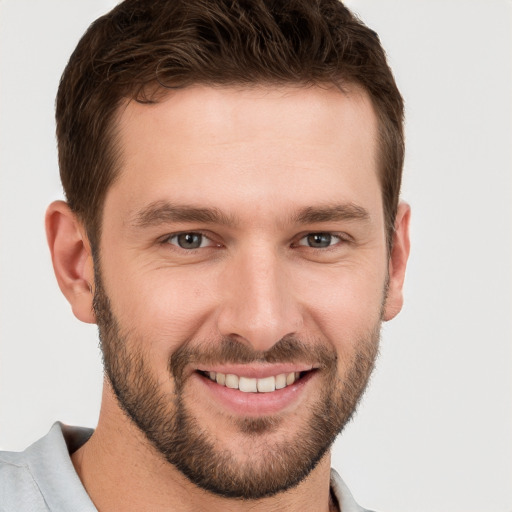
276, 462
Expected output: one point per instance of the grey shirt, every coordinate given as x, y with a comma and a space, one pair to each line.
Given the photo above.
42, 478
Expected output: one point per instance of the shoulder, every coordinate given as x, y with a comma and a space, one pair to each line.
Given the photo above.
18, 489
42, 477
344, 496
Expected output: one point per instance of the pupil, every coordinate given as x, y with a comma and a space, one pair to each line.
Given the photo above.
319, 240
189, 240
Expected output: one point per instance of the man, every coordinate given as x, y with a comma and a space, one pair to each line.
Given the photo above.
232, 173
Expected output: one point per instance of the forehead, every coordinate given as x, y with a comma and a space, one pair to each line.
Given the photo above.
256, 144
230, 115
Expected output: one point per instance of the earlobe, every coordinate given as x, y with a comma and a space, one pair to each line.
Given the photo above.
72, 259
398, 262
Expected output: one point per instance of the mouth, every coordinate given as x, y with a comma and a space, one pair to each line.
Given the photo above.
245, 384
255, 392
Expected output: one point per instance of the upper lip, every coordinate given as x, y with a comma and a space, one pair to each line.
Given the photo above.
256, 371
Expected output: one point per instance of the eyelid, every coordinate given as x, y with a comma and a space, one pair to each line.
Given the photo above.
340, 236
166, 240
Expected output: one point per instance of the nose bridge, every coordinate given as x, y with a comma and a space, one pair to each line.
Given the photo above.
259, 305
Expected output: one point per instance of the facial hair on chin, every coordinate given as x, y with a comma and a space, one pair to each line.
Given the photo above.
163, 417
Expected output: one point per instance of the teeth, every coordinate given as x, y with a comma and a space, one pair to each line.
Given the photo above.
249, 385
281, 381
266, 385
232, 381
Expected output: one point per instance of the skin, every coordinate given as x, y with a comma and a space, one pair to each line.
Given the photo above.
259, 156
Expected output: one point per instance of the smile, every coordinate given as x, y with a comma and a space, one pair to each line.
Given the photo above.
255, 390
253, 385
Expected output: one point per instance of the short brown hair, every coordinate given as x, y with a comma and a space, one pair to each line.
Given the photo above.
144, 44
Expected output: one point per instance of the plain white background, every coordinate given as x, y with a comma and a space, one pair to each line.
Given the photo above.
434, 432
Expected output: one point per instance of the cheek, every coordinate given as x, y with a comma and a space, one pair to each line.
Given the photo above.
345, 304
166, 306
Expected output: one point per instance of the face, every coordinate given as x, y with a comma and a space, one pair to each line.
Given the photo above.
241, 278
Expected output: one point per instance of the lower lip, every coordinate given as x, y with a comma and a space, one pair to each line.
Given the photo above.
256, 404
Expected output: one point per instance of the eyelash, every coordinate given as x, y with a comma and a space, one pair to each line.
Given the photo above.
339, 238
204, 237
332, 236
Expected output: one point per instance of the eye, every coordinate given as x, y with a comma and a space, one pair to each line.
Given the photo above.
319, 240
190, 240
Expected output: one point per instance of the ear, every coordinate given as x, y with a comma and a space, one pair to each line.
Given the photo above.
72, 259
398, 262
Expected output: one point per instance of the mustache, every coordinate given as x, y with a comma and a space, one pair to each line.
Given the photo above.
229, 350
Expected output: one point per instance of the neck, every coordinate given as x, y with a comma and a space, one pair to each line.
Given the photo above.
121, 470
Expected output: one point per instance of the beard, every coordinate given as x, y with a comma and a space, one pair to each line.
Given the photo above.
273, 462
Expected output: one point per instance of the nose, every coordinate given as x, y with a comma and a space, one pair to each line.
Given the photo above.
258, 305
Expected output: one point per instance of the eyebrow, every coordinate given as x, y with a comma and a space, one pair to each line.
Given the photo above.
336, 212
160, 212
